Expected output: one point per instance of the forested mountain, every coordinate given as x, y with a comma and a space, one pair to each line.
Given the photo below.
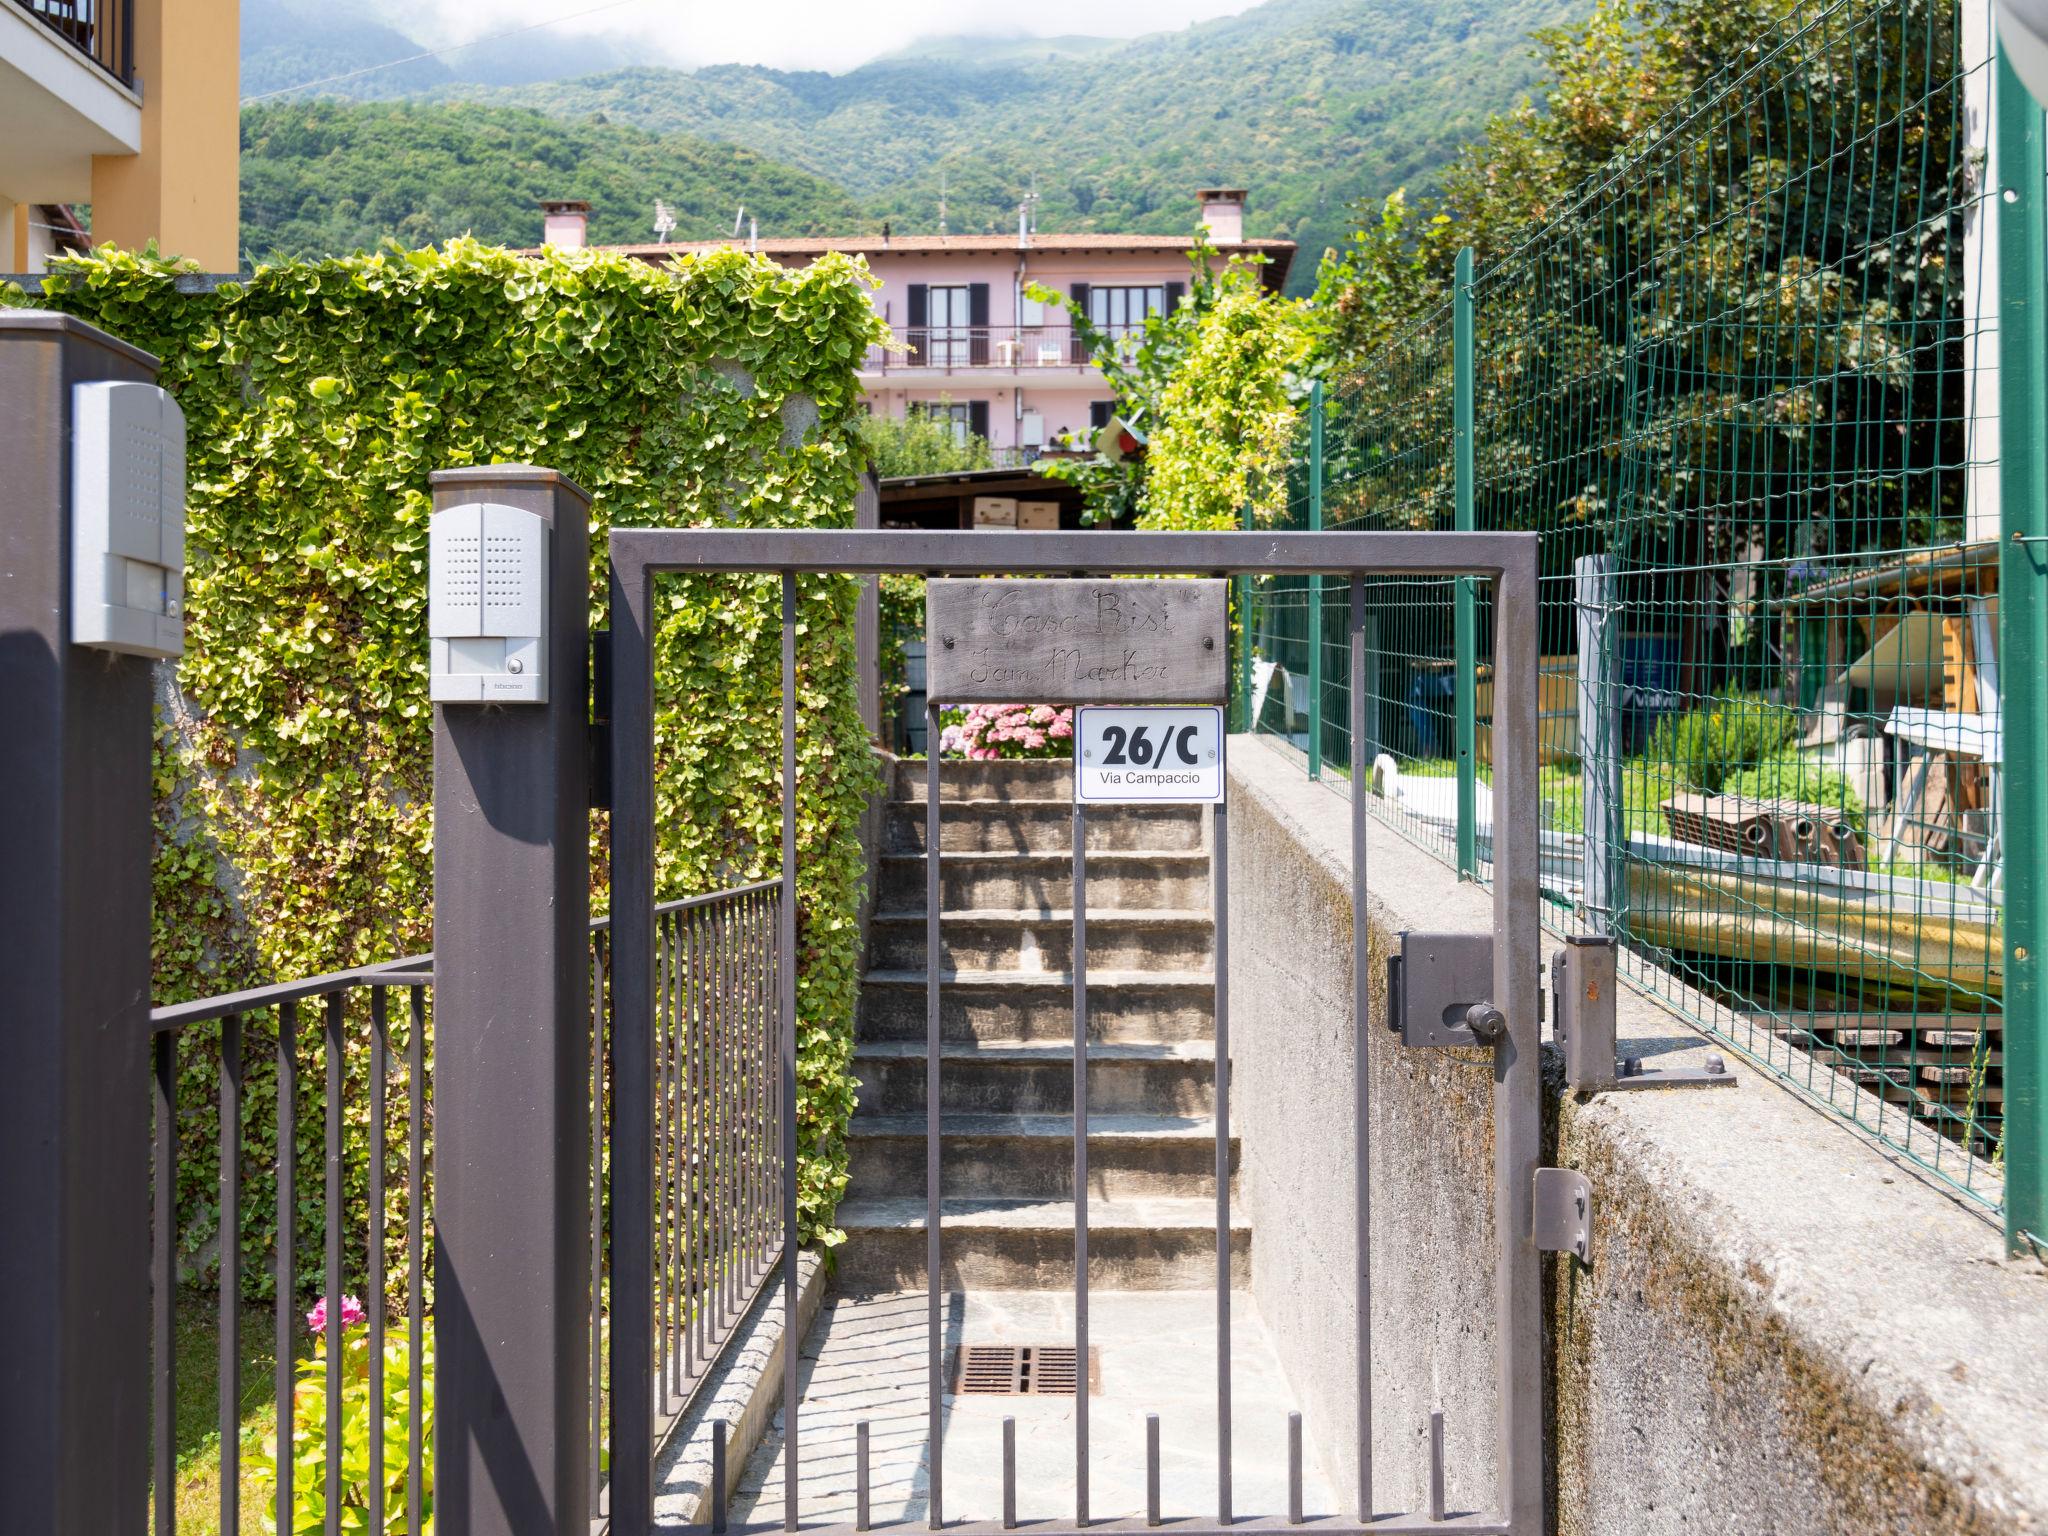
1312, 104
324, 177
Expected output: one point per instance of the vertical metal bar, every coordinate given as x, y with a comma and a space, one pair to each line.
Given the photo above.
1436, 1464
593, 1461
790, 1333
1009, 1474
336, 1377
1315, 586
1465, 623
690, 945
287, 1232
632, 859
1080, 883
718, 1475
2022, 163
164, 1281
1219, 902
860, 1460
1151, 1467
416, 1259
229, 1372
728, 1104
1593, 592
1243, 604
1294, 1510
1517, 1066
1361, 1074
380, 1066
934, 1189
666, 1025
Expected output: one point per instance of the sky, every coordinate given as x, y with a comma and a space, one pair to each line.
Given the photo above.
803, 34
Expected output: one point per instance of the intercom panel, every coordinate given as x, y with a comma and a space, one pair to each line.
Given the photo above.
487, 590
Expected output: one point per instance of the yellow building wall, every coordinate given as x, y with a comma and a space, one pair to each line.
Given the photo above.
184, 190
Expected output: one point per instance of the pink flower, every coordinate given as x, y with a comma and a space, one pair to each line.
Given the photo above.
1034, 739
1061, 730
352, 1314
1043, 715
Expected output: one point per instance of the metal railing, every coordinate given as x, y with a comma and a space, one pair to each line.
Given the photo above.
1737, 382
1021, 349
717, 1168
102, 30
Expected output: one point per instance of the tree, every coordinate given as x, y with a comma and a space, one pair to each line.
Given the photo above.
921, 443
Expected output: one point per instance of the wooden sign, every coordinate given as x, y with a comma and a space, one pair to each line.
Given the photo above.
989, 640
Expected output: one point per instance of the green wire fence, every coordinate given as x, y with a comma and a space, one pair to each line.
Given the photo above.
1746, 384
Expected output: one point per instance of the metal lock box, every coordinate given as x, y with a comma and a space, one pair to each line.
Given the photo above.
1434, 982
487, 587
127, 519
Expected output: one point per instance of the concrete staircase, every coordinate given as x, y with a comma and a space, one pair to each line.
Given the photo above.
1007, 1063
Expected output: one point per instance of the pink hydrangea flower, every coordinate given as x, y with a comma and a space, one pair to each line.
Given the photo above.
352, 1314
1043, 715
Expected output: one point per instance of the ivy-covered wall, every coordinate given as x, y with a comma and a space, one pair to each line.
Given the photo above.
295, 755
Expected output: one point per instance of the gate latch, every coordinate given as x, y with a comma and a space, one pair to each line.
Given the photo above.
1582, 983
1564, 1212
1440, 990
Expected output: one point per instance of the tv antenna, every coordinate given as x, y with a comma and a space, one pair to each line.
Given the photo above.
664, 222
942, 202
739, 221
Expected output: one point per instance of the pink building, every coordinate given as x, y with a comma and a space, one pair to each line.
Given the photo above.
971, 342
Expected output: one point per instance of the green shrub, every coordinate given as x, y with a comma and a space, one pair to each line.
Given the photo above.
1730, 733
309, 1435
294, 773
922, 443
1787, 775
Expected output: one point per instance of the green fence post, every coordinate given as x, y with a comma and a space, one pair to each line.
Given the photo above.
2023, 647
1315, 583
1465, 620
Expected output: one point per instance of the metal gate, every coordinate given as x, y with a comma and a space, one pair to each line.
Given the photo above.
1505, 1018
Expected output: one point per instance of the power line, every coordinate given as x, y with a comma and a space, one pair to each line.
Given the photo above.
433, 53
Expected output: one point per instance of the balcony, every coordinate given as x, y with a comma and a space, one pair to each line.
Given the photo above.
1020, 350
102, 30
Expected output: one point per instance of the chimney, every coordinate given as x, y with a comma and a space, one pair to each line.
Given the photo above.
566, 223
1223, 214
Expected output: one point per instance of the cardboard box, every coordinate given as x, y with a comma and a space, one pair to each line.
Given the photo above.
995, 511
1043, 516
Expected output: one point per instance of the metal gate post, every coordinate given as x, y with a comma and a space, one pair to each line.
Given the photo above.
75, 798
1465, 619
2022, 160
512, 1053
1315, 583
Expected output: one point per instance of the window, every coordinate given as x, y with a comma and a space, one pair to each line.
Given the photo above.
949, 325
1099, 413
950, 321
964, 416
1124, 309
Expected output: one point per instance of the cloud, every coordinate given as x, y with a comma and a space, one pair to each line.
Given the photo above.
802, 34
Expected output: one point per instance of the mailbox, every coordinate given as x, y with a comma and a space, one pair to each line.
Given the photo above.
127, 519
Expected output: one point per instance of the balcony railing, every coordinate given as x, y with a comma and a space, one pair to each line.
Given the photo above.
102, 30
1009, 348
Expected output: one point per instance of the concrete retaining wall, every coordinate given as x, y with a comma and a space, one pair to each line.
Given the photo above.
1782, 1328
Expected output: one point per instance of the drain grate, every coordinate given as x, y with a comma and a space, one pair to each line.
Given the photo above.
1018, 1370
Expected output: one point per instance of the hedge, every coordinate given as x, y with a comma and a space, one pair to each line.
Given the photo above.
295, 753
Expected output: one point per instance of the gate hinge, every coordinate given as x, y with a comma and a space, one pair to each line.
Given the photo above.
600, 719
1583, 981
1564, 1212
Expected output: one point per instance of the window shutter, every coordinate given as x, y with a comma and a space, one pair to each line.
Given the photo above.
977, 418
1099, 412
1176, 295
920, 312
1079, 294
977, 320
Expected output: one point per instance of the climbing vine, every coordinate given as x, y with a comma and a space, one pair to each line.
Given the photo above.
294, 762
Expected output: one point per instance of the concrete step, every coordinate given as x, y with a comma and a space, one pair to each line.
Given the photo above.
1032, 941
1042, 826
990, 1006
1032, 1156
1020, 1077
1037, 779
1133, 1245
977, 881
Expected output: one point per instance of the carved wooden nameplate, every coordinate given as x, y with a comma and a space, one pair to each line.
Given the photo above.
989, 640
